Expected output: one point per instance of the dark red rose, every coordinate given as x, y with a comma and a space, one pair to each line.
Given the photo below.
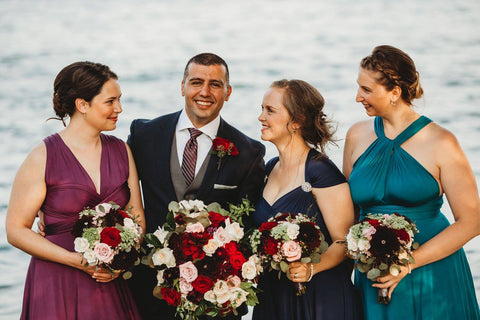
267, 226
374, 222
175, 242
195, 296
111, 236
403, 235
221, 254
237, 260
215, 218
202, 284
224, 147
172, 297
123, 213
179, 219
231, 248
226, 271
270, 246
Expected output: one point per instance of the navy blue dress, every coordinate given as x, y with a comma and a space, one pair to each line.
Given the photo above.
330, 295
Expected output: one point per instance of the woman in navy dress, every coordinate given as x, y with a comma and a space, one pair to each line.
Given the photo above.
68, 171
303, 180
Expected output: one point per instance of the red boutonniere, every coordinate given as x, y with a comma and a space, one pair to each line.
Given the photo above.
223, 147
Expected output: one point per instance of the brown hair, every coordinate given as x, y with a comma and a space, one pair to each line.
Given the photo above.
207, 59
78, 80
305, 106
396, 68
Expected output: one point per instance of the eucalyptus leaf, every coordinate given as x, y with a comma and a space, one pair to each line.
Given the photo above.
316, 257
284, 266
383, 266
373, 274
306, 260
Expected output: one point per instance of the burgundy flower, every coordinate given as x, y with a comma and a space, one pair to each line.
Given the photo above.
202, 284
403, 235
111, 236
216, 218
171, 274
267, 226
83, 222
124, 260
270, 246
172, 297
384, 243
309, 235
123, 213
221, 254
195, 296
208, 267
374, 222
222, 147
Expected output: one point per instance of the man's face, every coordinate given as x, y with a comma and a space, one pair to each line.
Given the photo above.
205, 90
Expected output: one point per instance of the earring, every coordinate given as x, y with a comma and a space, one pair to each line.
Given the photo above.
393, 103
85, 115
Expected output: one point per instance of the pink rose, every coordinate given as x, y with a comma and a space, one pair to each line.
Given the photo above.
194, 227
103, 252
234, 282
292, 250
185, 287
188, 271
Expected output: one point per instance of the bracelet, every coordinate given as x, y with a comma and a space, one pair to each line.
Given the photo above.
311, 272
409, 268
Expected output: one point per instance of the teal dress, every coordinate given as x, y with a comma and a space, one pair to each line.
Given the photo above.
386, 179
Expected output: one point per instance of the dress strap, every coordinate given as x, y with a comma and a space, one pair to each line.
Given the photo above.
378, 126
411, 130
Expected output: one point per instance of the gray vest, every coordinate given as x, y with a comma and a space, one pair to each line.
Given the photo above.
183, 191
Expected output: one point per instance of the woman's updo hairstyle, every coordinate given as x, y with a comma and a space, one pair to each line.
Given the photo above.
305, 106
78, 80
396, 68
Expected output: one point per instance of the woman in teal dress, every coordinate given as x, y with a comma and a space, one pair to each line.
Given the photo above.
403, 162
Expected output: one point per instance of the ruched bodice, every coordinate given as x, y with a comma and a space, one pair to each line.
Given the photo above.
57, 291
387, 179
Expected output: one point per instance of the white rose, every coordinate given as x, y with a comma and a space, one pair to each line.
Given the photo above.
363, 245
220, 287
161, 234
403, 255
238, 296
81, 244
293, 230
164, 256
249, 270
211, 247
234, 282
234, 230
210, 296
222, 298
352, 244
222, 236
103, 208
89, 255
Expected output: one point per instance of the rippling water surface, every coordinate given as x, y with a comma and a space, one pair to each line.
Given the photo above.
147, 43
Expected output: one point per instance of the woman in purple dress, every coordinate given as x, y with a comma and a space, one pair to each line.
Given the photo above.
76, 168
303, 180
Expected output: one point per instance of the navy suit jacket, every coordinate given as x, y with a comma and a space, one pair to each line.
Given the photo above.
151, 144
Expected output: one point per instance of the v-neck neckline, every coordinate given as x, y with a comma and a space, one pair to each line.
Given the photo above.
90, 180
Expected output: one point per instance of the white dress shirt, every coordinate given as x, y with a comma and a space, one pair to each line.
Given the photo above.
209, 132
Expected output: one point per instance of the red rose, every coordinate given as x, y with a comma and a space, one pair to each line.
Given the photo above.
231, 248
267, 226
123, 214
224, 147
215, 218
403, 235
270, 247
111, 236
374, 222
172, 297
202, 284
237, 260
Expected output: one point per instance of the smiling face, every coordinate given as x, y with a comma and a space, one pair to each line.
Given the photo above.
275, 119
374, 96
205, 89
102, 111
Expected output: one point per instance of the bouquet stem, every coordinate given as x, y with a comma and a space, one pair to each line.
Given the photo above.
300, 288
383, 296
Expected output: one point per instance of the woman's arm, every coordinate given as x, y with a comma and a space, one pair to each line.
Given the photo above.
336, 206
458, 182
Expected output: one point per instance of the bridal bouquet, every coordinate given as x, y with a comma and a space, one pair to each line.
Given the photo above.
203, 267
286, 238
108, 236
380, 243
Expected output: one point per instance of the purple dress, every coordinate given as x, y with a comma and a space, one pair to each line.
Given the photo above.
57, 291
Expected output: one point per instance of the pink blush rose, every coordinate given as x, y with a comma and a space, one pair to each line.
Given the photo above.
194, 227
188, 271
292, 250
103, 252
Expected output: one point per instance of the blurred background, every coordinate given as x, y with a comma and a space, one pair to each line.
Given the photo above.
147, 43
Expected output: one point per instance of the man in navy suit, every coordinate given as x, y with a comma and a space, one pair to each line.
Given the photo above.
158, 148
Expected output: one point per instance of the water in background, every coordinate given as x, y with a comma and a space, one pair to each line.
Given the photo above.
147, 43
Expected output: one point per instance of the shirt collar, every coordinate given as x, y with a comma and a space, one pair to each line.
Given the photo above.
210, 129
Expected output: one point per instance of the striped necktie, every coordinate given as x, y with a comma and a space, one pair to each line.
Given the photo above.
190, 156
